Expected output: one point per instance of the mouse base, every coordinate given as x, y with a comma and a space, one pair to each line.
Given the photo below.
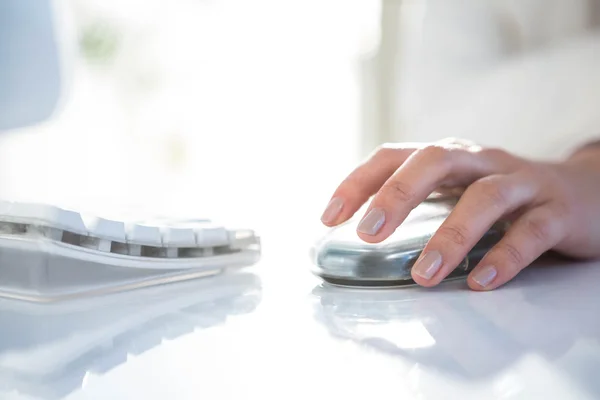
379, 284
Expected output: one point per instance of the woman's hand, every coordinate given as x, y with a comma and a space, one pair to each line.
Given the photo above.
551, 206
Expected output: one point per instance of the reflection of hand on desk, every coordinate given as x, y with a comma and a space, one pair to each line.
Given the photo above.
537, 322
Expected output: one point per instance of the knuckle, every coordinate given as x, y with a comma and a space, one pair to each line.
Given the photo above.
494, 153
562, 210
460, 143
511, 253
380, 152
563, 194
501, 157
493, 191
451, 140
382, 148
377, 154
560, 187
385, 149
531, 171
383, 154
456, 234
399, 191
435, 153
541, 229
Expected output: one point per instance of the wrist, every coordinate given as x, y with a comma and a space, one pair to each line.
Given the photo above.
585, 159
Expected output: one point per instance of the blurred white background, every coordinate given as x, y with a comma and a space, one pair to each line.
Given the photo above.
251, 112
243, 112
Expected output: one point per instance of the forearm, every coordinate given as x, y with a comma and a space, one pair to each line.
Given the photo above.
583, 172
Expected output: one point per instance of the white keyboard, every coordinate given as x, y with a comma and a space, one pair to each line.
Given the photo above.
42, 244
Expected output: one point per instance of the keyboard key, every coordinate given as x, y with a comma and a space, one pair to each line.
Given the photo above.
106, 229
46, 215
179, 237
212, 236
144, 235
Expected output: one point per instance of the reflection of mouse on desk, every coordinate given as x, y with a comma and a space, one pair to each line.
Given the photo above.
342, 259
447, 331
48, 253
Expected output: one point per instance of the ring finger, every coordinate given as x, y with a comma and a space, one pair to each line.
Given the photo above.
483, 204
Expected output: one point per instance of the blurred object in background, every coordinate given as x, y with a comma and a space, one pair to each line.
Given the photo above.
250, 113
238, 111
30, 65
522, 75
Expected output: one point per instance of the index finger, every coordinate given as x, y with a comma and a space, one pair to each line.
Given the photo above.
364, 182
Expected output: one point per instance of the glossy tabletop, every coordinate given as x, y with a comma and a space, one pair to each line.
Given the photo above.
275, 329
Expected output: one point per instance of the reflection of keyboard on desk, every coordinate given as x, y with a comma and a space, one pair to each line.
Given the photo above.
48, 253
47, 350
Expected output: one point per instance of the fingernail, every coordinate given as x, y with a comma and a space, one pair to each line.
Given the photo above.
427, 266
485, 276
333, 210
372, 222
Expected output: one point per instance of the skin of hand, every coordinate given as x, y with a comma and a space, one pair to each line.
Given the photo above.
551, 206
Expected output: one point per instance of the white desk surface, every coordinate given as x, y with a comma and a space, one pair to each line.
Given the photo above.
274, 331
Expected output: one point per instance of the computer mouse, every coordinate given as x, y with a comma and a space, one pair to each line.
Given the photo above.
341, 258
